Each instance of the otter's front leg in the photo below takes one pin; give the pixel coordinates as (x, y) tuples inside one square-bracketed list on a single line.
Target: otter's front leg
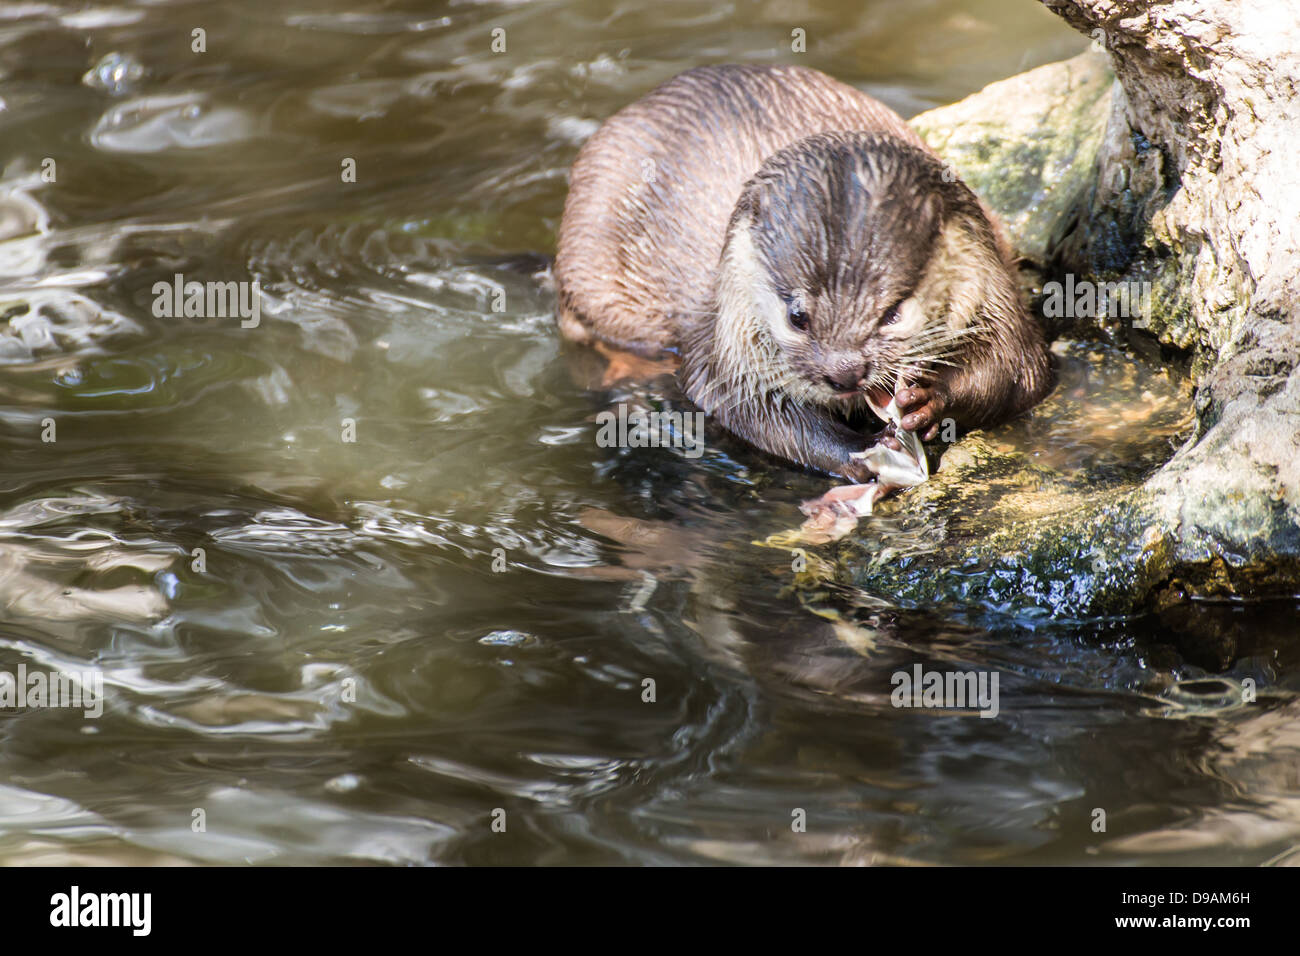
[(971, 396)]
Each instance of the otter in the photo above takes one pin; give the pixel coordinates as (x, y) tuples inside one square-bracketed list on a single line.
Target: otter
[(803, 253)]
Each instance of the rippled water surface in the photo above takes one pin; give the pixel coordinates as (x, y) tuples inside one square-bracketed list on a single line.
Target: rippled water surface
[(357, 651)]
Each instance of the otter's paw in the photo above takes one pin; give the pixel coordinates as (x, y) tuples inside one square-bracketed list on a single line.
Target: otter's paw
[(922, 410), (628, 365)]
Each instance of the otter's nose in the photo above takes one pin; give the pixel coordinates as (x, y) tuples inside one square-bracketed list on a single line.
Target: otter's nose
[(845, 379)]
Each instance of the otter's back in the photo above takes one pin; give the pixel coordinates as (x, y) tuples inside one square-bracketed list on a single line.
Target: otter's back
[(653, 189)]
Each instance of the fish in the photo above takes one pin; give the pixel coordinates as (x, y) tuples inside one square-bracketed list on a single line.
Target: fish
[(836, 513)]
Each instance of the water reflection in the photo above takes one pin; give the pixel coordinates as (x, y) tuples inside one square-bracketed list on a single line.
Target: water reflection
[(357, 651)]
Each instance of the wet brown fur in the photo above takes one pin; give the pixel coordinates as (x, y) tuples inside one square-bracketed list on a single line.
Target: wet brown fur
[(690, 209)]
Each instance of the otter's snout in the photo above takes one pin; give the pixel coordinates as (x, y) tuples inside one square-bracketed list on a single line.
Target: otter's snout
[(845, 378)]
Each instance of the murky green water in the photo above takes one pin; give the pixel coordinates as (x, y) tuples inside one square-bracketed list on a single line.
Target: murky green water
[(388, 639)]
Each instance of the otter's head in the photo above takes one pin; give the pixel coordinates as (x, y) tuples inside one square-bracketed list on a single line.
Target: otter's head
[(850, 260)]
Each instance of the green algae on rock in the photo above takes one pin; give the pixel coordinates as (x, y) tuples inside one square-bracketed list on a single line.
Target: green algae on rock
[(1044, 514), (1028, 145)]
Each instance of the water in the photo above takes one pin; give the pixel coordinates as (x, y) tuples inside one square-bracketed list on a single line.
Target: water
[(319, 651)]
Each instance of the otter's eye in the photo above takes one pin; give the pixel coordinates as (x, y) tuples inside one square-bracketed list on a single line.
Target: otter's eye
[(891, 316), (799, 318)]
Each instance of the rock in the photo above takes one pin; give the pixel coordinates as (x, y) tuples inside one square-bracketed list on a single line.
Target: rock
[(1197, 176), (1028, 145), (1045, 515), (1182, 174)]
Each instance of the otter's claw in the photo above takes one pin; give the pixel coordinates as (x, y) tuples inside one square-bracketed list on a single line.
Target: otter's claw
[(921, 408)]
